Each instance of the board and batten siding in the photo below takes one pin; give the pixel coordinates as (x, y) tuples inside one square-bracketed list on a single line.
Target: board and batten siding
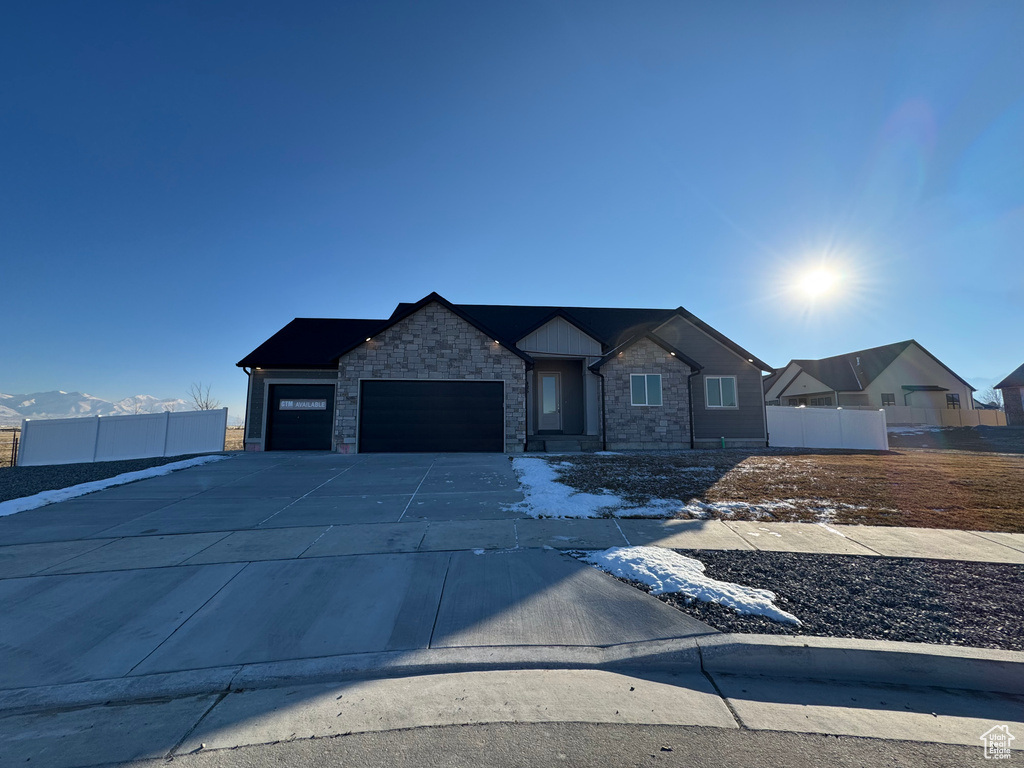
[(560, 337), (745, 423)]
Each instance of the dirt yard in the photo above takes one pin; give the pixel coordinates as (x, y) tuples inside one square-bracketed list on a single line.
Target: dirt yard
[(912, 487)]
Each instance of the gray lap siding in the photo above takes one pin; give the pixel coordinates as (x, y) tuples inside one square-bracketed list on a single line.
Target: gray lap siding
[(433, 343), (744, 424)]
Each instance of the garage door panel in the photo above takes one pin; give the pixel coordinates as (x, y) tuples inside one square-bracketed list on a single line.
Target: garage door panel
[(300, 430), (431, 416)]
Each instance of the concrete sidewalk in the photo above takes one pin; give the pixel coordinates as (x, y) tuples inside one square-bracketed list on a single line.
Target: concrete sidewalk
[(272, 570)]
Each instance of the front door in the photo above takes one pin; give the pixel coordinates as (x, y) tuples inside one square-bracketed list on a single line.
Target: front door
[(550, 417)]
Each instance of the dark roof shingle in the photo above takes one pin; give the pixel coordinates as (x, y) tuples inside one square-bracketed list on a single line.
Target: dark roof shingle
[(1015, 379), (309, 342)]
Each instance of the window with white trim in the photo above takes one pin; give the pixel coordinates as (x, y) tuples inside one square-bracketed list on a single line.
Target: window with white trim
[(888, 398), (720, 391), (645, 388)]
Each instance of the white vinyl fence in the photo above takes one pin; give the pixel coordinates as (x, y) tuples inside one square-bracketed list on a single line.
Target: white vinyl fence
[(826, 428), (110, 438)]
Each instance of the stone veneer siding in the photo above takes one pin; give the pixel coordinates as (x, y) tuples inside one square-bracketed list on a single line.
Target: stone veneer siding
[(1013, 404), (646, 427), (433, 343)]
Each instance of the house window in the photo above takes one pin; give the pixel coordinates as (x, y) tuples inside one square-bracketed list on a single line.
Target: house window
[(774, 402), (821, 401), (645, 388), (888, 398), (953, 402), (721, 391)]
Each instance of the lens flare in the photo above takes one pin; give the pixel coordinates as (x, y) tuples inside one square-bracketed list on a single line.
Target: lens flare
[(817, 283)]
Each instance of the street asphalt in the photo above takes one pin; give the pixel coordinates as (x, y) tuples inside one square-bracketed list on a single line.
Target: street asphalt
[(237, 603)]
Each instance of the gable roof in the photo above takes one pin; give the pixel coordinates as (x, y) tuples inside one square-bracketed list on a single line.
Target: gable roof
[(694, 365), (854, 371), (309, 342), (609, 325), (1015, 379), (722, 338), (405, 310)]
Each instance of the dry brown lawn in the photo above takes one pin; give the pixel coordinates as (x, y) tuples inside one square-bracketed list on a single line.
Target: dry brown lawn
[(6, 441), (931, 489), (233, 440)]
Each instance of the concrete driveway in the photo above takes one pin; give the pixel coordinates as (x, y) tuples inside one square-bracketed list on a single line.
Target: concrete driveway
[(271, 558)]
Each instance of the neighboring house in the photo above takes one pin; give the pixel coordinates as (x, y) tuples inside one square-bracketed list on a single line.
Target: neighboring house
[(1013, 397), (442, 377), (895, 376)]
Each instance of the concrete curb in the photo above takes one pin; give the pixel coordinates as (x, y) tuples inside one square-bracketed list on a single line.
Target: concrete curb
[(863, 661), (811, 658)]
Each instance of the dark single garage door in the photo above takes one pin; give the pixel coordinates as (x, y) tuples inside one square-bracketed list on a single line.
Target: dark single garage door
[(300, 417), (425, 416)]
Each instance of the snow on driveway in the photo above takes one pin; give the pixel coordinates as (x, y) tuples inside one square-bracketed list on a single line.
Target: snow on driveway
[(63, 494), (667, 571)]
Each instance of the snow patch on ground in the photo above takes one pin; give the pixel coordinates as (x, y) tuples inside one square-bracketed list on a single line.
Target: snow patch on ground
[(63, 494), (544, 496), (667, 571), (916, 430)]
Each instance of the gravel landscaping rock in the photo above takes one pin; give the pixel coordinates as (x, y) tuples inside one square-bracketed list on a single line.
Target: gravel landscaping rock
[(873, 598), (18, 482)]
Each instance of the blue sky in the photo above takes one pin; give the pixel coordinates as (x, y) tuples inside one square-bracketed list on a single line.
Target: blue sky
[(179, 180)]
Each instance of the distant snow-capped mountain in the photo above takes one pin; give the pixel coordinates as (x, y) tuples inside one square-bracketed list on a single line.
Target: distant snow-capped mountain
[(61, 405)]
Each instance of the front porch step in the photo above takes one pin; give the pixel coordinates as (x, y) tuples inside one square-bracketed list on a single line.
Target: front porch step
[(564, 443)]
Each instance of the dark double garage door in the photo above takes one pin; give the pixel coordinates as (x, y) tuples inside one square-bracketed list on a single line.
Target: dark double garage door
[(394, 416), (426, 416)]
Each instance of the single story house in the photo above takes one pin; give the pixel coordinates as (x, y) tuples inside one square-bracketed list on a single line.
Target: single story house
[(437, 376), (1012, 388), (892, 376)]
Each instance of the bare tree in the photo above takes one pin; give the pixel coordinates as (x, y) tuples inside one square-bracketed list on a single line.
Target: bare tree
[(136, 408), (200, 397), (992, 396)]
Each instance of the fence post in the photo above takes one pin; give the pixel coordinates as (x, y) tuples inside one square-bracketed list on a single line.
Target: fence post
[(96, 439), (167, 430)]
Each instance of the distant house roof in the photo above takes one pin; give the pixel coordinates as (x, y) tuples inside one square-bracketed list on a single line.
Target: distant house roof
[(1015, 379), (309, 342), (854, 371)]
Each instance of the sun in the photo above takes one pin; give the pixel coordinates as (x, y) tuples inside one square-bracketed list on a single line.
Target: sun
[(818, 282)]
